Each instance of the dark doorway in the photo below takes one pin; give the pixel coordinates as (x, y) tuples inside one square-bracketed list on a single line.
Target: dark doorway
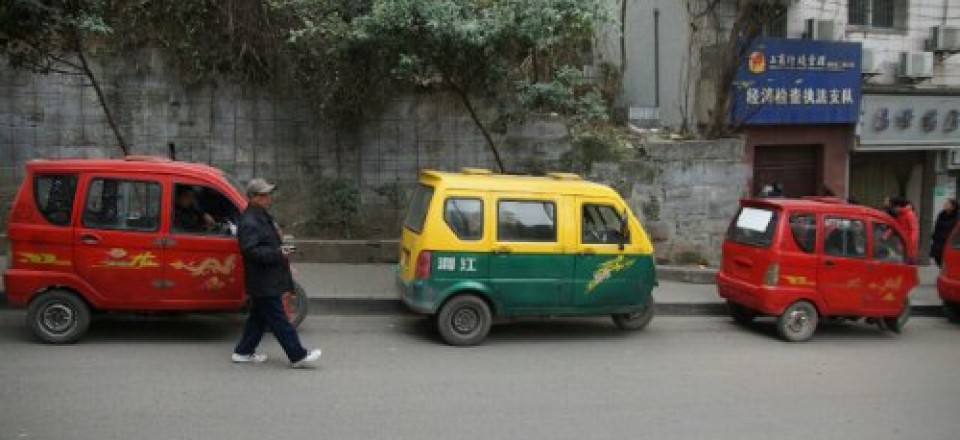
[(794, 167)]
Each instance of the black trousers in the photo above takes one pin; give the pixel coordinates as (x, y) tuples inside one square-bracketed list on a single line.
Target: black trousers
[(267, 312)]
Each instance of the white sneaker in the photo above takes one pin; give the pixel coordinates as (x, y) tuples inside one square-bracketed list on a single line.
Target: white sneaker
[(248, 358), (308, 360)]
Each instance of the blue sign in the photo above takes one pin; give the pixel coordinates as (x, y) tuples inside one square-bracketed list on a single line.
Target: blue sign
[(788, 81)]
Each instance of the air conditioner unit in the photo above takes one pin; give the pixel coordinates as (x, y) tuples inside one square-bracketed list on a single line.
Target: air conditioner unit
[(945, 38), (916, 65), (869, 62), (818, 29)]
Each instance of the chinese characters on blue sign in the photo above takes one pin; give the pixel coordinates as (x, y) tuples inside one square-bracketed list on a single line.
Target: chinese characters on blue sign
[(786, 81)]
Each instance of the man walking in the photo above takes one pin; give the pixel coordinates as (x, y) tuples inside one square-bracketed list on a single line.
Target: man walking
[(267, 275)]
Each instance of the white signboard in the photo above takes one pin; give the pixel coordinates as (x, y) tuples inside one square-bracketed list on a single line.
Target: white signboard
[(754, 219)]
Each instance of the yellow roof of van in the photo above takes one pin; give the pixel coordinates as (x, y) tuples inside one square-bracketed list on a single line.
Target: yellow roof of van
[(482, 180)]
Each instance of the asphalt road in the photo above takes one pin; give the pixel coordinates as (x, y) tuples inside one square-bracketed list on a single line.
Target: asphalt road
[(388, 377)]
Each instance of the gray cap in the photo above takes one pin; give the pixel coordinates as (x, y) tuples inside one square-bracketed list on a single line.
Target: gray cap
[(259, 186)]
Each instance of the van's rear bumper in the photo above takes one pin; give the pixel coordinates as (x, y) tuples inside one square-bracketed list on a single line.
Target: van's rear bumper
[(948, 289), (417, 296), (768, 300)]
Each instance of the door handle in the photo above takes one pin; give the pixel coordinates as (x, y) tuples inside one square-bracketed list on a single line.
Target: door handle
[(89, 239), (588, 252), (829, 263), (502, 250)]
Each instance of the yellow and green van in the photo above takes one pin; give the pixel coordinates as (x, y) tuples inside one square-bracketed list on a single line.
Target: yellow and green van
[(477, 246)]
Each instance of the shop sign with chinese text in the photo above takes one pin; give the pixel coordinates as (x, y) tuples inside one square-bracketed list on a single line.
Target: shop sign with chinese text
[(892, 122), (790, 81)]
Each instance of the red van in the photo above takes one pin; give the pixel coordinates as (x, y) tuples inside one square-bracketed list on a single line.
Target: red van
[(141, 234), (948, 283), (805, 259)]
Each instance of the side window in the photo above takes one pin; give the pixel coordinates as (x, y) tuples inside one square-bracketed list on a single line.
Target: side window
[(122, 204), (955, 239), (464, 216), (199, 209), (888, 245), (531, 221), (600, 224), (804, 230), (844, 237), (53, 195)]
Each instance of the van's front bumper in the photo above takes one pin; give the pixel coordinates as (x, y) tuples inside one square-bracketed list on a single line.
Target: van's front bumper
[(768, 300), (417, 295)]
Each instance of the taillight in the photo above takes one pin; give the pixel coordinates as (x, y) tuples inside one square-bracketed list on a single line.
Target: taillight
[(773, 274), (423, 266)]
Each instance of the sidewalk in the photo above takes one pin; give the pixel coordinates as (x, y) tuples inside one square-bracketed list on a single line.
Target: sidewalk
[(354, 283), (370, 288)]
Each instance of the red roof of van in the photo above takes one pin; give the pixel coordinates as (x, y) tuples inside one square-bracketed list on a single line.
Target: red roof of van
[(130, 164), (816, 204)]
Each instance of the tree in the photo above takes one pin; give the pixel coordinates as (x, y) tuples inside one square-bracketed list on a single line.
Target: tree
[(480, 48), (52, 36), (747, 20)]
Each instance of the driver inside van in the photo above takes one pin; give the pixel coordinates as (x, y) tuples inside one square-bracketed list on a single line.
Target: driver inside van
[(187, 215)]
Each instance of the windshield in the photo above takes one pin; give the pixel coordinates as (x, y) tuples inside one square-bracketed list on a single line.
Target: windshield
[(753, 226)]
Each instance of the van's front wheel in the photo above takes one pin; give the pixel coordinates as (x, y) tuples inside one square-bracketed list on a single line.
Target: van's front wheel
[(464, 320), (58, 317), (798, 322), (636, 320)]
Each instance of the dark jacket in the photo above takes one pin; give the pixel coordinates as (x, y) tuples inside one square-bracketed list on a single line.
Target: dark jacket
[(941, 232), (266, 269)]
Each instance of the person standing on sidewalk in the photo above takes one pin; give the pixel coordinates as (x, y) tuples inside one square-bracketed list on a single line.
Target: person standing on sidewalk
[(946, 220), (904, 214), (267, 277)]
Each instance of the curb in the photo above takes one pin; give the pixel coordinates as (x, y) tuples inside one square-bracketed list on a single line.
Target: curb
[(371, 306)]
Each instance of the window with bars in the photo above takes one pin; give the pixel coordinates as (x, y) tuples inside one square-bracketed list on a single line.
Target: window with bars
[(879, 14)]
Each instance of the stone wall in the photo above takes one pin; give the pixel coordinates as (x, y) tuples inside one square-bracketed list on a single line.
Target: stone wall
[(685, 194), (254, 132)]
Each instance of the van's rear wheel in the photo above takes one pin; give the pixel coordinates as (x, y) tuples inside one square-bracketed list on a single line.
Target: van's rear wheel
[(58, 317), (464, 320), (636, 320), (798, 322), (741, 314), (896, 323)]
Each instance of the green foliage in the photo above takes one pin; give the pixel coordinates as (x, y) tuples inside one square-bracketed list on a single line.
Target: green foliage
[(338, 203), (596, 142), (44, 35)]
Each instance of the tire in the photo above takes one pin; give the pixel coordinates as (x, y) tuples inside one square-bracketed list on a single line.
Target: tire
[(896, 323), (741, 314), (952, 311), (296, 305), (58, 317), (636, 320), (798, 322), (464, 320)]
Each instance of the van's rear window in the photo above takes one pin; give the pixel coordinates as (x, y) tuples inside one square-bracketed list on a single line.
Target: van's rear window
[(753, 226), (417, 211)]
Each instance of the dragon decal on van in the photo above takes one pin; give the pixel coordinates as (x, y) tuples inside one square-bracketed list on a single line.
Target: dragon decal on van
[(607, 269)]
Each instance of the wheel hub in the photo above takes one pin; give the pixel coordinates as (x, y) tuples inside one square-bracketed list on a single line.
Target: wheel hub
[(465, 320), (57, 318), (798, 320)]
